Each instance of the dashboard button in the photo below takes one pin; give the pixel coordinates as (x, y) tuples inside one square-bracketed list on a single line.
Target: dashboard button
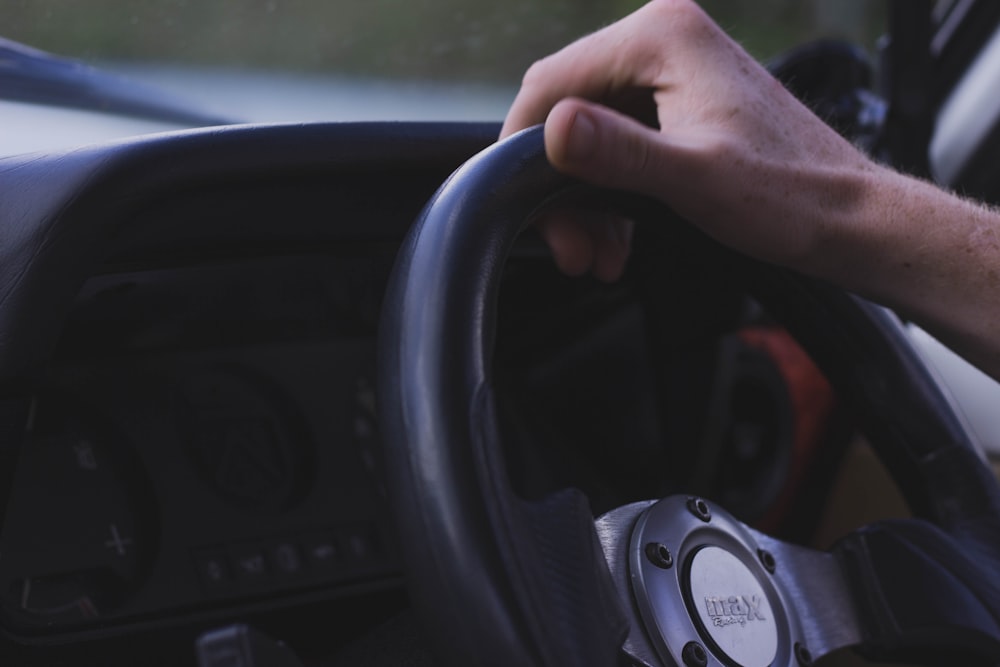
[(287, 559), (249, 563), (362, 544), (359, 546), (213, 570), (321, 549)]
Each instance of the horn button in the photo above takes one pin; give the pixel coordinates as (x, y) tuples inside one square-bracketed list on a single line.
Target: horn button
[(733, 608), (696, 577)]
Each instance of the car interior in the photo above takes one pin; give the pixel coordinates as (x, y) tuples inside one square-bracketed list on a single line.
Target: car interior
[(304, 394)]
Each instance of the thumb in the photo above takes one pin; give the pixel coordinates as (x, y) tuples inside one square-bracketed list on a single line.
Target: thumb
[(606, 148)]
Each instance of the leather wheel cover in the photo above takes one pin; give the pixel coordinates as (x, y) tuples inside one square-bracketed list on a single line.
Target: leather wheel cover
[(502, 581)]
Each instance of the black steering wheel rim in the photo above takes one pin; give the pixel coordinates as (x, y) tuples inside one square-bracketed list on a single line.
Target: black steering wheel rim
[(484, 565)]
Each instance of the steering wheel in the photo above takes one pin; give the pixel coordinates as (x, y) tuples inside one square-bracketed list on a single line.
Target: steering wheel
[(502, 580)]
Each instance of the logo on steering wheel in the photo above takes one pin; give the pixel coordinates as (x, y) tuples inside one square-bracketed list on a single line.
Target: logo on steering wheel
[(734, 610)]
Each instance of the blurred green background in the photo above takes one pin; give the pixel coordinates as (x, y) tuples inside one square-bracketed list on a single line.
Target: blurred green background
[(426, 39)]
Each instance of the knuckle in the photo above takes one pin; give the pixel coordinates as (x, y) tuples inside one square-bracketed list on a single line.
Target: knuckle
[(683, 17), (678, 10), (536, 74)]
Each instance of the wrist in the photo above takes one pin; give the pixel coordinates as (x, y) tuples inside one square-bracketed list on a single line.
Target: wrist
[(929, 254)]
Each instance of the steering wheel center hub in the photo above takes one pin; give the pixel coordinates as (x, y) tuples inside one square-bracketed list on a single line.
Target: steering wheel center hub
[(733, 608), (715, 587)]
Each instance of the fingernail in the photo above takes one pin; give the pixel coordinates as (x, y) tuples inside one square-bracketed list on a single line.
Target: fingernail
[(582, 137)]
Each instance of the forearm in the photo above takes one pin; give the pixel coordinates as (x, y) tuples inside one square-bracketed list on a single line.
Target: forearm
[(929, 254), (738, 156)]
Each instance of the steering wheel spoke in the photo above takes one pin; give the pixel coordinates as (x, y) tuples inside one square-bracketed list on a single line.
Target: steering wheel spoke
[(696, 580), (926, 594), (577, 609), (693, 578)]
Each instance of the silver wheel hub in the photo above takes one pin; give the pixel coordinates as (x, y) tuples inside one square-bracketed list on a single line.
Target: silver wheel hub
[(696, 576), (733, 608)]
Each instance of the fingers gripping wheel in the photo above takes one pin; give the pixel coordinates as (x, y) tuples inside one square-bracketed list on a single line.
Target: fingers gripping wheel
[(503, 581)]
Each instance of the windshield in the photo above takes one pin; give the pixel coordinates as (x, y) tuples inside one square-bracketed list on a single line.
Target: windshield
[(367, 59)]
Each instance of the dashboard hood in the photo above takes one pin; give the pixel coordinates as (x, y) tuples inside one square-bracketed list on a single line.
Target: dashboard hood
[(244, 96)]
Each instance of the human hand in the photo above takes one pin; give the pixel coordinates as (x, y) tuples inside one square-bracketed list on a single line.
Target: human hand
[(732, 150)]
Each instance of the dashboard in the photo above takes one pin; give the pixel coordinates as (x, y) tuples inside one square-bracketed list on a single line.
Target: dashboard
[(189, 409), (188, 341), (206, 434)]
